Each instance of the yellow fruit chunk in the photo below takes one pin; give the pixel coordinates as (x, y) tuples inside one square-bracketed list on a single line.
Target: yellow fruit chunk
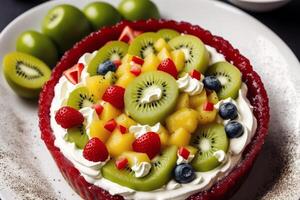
[(122, 69), (183, 101), (180, 137), (125, 79), (205, 117), (160, 44), (192, 149), (97, 130), (127, 58), (109, 112), (213, 97), (135, 157), (97, 85), (124, 120), (198, 100), (184, 118), (164, 136), (151, 63), (119, 143), (178, 59), (163, 54)]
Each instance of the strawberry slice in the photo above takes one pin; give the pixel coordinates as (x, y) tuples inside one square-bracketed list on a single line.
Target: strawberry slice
[(184, 152), (208, 106), (127, 35), (136, 70), (117, 63), (98, 108), (68, 117), (148, 143), (115, 96), (73, 74), (195, 74), (121, 163), (95, 150), (123, 129), (137, 60), (169, 67), (110, 125)]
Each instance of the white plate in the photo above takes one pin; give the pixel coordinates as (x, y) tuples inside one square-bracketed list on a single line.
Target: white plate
[(28, 171)]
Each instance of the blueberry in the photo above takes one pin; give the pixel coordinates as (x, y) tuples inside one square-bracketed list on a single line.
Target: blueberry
[(234, 129), (228, 111), (184, 173), (106, 67), (212, 83)]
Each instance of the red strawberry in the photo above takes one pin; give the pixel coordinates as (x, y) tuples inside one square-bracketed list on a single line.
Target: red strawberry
[(115, 96), (123, 129), (127, 35), (148, 143), (73, 74), (117, 63), (195, 74), (169, 67), (121, 163), (137, 60), (110, 125), (98, 108), (136, 70), (68, 117), (95, 150), (184, 152), (208, 106)]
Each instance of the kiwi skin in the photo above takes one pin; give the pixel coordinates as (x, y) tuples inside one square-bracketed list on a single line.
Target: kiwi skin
[(27, 89)]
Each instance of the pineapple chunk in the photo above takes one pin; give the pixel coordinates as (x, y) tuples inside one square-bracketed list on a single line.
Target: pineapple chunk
[(183, 101), (178, 58), (180, 137), (109, 112), (124, 120), (198, 100), (119, 143), (122, 69), (151, 63), (160, 44), (213, 97), (163, 54), (97, 85), (205, 117), (97, 130), (127, 59), (164, 136), (135, 157), (184, 118), (125, 79)]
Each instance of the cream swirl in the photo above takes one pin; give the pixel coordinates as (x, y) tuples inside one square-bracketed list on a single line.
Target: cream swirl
[(189, 85), (139, 130), (181, 160), (150, 94), (141, 169)]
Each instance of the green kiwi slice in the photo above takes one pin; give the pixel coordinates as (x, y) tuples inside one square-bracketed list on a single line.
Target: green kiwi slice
[(143, 45), (25, 74), (208, 139), (196, 55), (80, 98), (157, 110), (78, 136), (167, 34), (160, 174), (230, 78), (114, 50)]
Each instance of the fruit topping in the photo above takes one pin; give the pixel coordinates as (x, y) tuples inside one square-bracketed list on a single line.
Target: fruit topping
[(181, 137), (121, 163), (123, 129), (230, 78), (148, 143), (169, 67), (107, 66), (234, 129), (78, 136), (127, 35), (195, 74), (135, 158), (125, 121), (68, 117), (97, 130), (117, 63), (97, 85), (95, 150), (119, 143), (184, 118), (98, 108), (80, 98), (110, 125), (212, 83), (109, 112), (208, 139), (184, 173), (228, 111), (115, 96), (184, 152), (208, 106), (136, 70), (137, 60), (151, 63), (73, 74)]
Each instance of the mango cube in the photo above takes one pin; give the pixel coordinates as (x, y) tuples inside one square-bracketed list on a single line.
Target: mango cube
[(97, 130), (109, 112), (178, 58), (97, 85), (198, 100), (125, 79), (213, 97), (163, 54), (160, 44), (122, 69), (125, 121), (180, 137), (151, 63), (206, 117), (183, 101), (135, 157), (164, 136)]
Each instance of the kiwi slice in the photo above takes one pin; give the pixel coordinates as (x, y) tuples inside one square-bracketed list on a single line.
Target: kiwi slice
[(114, 50), (78, 136), (196, 55), (160, 174), (157, 110), (208, 139), (230, 78), (80, 98), (167, 34), (25, 74), (143, 45)]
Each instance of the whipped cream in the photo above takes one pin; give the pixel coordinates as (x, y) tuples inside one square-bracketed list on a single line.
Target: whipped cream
[(139, 130), (214, 55), (150, 94), (89, 115), (141, 169), (190, 85), (220, 155), (175, 191)]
